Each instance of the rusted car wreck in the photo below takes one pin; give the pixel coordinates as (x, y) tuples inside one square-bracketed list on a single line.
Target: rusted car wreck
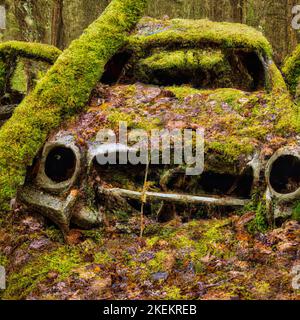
[(179, 74)]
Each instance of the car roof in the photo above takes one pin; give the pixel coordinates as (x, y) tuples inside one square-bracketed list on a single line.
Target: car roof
[(186, 33)]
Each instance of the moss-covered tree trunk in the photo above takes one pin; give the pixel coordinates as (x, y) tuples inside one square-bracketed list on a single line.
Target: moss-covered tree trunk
[(64, 91)]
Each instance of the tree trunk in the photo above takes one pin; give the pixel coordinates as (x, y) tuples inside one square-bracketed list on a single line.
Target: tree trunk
[(238, 10), (291, 39), (57, 24)]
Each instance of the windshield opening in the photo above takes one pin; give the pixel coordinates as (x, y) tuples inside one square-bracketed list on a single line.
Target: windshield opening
[(198, 68)]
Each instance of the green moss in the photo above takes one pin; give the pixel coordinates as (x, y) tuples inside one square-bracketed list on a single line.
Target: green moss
[(103, 258), (54, 234), (277, 81), (296, 212), (182, 241), (29, 50), (190, 33), (172, 63), (183, 91), (173, 293), (62, 92), (192, 241), (247, 119), (235, 289), (190, 59), (18, 81), (115, 117), (153, 229), (11, 50), (227, 95), (197, 239), (95, 234), (3, 72), (179, 50), (231, 148), (25, 281), (262, 288), (208, 243), (121, 215), (260, 223), (3, 260), (236, 123), (291, 69), (158, 264)]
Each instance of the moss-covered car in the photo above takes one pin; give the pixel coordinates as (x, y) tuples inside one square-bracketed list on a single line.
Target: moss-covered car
[(179, 74)]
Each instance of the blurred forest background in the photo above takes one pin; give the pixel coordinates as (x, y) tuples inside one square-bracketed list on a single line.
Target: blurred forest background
[(60, 21)]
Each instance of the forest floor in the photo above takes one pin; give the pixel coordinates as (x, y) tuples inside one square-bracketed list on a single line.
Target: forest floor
[(202, 259)]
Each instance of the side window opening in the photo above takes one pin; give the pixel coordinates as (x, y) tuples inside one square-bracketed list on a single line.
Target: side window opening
[(248, 67), (116, 68), (15, 86), (22, 78), (26, 74)]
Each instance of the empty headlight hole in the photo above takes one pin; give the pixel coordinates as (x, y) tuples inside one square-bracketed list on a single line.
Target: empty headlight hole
[(60, 164), (285, 174)]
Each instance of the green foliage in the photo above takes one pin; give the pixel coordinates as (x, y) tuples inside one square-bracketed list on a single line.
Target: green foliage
[(63, 92)]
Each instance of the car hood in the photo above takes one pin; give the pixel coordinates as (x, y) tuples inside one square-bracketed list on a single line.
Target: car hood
[(237, 124), (242, 131)]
